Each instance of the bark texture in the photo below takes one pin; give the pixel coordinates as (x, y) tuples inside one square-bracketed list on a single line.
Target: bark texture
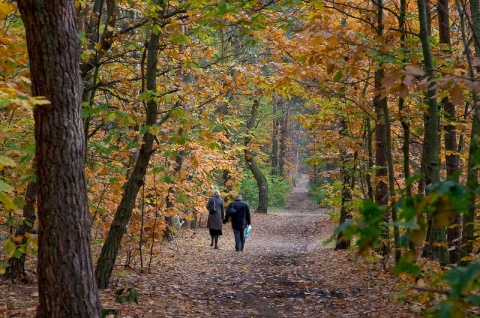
[(65, 271)]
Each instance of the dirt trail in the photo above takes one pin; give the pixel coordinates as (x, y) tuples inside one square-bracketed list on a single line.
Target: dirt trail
[(286, 270)]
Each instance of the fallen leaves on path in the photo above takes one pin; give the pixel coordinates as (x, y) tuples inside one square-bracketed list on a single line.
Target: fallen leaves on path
[(286, 270)]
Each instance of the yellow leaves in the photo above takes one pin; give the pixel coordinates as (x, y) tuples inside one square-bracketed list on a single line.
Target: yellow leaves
[(17, 245), (6, 8), (417, 236), (324, 38), (9, 247), (6, 162), (444, 214), (39, 100), (416, 58), (81, 4), (6, 199), (4, 40)]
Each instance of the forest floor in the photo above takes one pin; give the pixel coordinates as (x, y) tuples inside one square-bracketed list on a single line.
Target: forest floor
[(288, 269)]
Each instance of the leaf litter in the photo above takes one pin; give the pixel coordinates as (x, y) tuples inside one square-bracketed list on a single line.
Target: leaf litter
[(286, 270)]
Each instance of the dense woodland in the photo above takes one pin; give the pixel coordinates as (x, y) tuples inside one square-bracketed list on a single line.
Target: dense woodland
[(118, 116)]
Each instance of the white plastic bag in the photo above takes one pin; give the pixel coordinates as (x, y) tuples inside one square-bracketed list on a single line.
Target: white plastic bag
[(247, 230)]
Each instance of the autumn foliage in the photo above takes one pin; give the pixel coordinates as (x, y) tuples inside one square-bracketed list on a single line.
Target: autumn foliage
[(378, 98)]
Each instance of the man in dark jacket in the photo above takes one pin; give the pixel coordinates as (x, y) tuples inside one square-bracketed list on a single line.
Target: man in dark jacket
[(239, 211)]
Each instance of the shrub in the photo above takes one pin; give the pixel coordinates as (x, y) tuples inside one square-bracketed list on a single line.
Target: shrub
[(277, 190)]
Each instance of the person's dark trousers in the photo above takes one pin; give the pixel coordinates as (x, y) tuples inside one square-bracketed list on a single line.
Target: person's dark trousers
[(239, 239)]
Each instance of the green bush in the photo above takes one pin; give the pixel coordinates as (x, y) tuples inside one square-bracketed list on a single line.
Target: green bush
[(277, 190), (326, 193), (317, 193)]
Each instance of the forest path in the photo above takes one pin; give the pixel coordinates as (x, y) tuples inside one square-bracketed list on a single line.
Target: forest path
[(286, 270)]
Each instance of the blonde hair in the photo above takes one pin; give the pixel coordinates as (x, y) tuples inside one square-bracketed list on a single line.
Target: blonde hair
[(216, 192)]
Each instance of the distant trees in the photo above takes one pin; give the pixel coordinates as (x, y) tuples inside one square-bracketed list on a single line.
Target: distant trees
[(425, 119)]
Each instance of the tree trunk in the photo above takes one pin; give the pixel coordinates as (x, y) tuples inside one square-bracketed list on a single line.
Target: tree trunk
[(391, 184), (380, 104), (110, 248), (369, 134), (283, 136), (451, 157), (65, 270), (89, 69), (345, 213), (405, 122), (469, 219), (275, 129), (253, 166), (16, 265), (435, 234), (169, 202)]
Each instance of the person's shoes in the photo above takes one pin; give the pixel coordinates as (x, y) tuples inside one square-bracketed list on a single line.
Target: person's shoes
[(211, 244), (216, 247)]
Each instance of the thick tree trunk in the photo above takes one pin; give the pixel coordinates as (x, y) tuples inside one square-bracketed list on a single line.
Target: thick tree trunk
[(16, 265), (252, 165), (65, 270), (123, 214)]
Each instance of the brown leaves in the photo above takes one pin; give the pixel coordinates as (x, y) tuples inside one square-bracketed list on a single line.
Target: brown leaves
[(285, 271)]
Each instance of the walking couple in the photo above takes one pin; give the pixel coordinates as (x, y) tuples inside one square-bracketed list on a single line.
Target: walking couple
[(238, 210)]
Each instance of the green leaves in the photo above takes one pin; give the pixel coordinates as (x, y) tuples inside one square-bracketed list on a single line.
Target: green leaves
[(463, 279), (3, 267), (5, 187), (368, 228), (464, 283)]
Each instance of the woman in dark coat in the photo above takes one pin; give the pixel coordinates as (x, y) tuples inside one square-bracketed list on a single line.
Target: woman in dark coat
[(216, 212)]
